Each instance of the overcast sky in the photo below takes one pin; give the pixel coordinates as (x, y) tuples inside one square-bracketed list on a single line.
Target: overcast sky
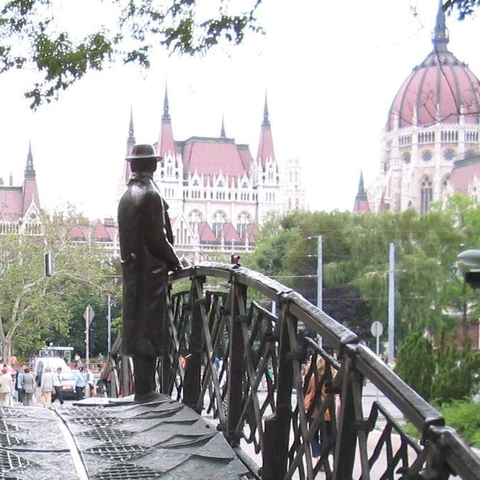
[(330, 69)]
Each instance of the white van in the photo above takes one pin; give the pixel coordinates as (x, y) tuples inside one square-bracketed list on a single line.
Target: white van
[(52, 362)]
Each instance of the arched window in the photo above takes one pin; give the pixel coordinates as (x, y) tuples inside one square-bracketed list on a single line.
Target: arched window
[(194, 218), (219, 219), (407, 157), (242, 222), (426, 195)]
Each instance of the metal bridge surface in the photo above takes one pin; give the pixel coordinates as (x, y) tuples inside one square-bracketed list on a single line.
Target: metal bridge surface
[(239, 330), (158, 440)]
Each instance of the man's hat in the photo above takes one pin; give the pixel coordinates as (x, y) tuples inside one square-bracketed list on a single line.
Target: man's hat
[(143, 152)]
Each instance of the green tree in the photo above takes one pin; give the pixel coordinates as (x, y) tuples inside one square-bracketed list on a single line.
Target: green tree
[(34, 307), (36, 33), (454, 370), (428, 292), (416, 363)]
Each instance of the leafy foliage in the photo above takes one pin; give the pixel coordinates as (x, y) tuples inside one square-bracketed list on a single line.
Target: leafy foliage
[(455, 369), (442, 375), (464, 416), (33, 307), (463, 8), (416, 363), (32, 34), (428, 292)]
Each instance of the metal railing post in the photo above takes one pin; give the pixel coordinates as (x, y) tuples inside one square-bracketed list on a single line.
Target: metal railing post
[(192, 380), (237, 366), (277, 426), (347, 425)]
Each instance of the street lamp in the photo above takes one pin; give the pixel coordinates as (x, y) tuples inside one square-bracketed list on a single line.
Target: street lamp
[(469, 266)]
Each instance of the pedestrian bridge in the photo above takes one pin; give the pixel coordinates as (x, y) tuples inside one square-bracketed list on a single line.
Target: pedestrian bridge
[(241, 335)]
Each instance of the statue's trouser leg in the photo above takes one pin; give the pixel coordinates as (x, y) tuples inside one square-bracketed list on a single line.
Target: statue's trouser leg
[(144, 374)]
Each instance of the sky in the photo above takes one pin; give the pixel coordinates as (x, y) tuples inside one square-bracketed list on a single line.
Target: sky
[(330, 71)]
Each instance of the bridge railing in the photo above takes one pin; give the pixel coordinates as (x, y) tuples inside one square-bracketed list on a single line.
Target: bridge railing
[(236, 350)]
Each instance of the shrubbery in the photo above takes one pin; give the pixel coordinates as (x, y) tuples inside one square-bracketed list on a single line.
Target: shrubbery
[(440, 375)]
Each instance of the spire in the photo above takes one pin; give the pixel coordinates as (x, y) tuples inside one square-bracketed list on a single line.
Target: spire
[(440, 32), (222, 130), (29, 189), (166, 113), (29, 169), (127, 172), (266, 121), (361, 186), (265, 146), (131, 130), (361, 200), (166, 143)]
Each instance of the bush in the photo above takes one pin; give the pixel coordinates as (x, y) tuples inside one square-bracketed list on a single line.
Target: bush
[(440, 376), (416, 363), (455, 371), (464, 417)]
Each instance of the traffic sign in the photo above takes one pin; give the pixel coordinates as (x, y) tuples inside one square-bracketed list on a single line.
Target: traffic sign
[(88, 314), (376, 329)]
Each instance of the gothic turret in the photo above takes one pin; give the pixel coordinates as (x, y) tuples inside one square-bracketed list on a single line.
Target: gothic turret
[(166, 144), (130, 144), (361, 202), (265, 153), (30, 190)]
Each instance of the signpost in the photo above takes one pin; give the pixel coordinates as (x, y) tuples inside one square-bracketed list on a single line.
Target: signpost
[(377, 330), (88, 316)]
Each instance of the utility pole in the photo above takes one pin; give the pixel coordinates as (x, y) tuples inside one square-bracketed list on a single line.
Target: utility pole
[(391, 305), (319, 273), (109, 324), (319, 280), (88, 316)]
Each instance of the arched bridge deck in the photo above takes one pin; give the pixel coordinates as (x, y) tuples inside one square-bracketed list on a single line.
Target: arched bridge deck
[(159, 440)]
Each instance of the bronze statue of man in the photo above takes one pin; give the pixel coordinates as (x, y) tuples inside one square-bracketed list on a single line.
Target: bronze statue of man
[(147, 256)]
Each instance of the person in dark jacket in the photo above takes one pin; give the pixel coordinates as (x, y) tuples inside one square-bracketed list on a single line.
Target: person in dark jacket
[(147, 254)]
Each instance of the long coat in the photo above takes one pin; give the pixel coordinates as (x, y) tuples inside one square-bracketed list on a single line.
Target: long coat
[(147, 257), (7, 383), (29, 383)]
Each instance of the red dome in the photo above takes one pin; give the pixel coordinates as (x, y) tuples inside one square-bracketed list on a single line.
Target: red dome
[(437, 90)]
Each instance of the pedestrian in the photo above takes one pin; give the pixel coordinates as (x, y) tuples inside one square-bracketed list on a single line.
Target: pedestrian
[(57, 385), (78, 361), (91, 383), (80, 384), (46, 386), (29, 386), (6, 387), (146, 245), (314, 397), (19, 387)]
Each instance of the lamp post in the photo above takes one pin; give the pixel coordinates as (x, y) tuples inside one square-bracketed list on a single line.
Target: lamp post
[(468, 264), (109, 324)]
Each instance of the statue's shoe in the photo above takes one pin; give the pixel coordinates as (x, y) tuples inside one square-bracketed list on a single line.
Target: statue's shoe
[(149, 397)]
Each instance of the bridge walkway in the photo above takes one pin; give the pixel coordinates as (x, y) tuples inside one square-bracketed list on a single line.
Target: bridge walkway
[(103, 439)]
